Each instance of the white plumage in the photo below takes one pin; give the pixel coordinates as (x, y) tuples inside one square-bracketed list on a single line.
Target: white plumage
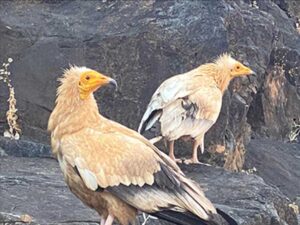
[(187, 105)]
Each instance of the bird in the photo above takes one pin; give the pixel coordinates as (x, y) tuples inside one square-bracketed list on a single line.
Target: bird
[(115, 170), (186, 106)]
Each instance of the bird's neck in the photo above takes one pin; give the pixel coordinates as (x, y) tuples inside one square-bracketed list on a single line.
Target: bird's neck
[(218, 73), (222, 80), (72, 114)]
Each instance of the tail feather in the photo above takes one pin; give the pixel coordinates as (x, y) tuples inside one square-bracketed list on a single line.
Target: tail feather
[(187, 218), (148, 121), (152, 120), (180, 218), (226, 217)]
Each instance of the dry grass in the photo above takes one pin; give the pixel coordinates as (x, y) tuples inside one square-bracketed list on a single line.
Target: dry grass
[(11, 114), (294, 207), (295, 132), (146, 218), (250, 171), (253, 4), (298, 25)]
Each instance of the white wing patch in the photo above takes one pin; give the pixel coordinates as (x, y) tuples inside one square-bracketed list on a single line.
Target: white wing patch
[(169, 90), (88, 177)]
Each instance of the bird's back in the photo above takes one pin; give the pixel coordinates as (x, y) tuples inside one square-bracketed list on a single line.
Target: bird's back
[(186, 104)]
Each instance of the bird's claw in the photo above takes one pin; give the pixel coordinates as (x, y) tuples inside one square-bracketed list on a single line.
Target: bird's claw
[(191, 161), (177, 160)]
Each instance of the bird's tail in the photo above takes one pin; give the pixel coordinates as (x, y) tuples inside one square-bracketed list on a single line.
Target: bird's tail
[(180, 218), (149, 120), (187, 218), (226, 217)]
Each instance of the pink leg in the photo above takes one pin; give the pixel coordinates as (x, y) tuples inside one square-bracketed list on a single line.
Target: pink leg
[(194, 159), (109, 220), (102, 221), (171, 152)]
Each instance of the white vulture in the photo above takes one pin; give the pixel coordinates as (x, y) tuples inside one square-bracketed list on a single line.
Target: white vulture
[(187, 105)]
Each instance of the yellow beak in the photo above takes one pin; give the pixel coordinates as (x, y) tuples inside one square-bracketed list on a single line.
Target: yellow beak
[(246, 71)]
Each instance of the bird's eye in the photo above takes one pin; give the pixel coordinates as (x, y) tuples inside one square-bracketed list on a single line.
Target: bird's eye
[(237, 67), (87, 77)]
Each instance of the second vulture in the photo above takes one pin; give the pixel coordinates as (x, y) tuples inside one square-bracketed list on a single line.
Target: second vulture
[(187, 105)]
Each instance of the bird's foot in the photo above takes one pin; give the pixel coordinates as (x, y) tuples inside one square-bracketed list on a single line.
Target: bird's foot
[(191, 161), (176, 160)]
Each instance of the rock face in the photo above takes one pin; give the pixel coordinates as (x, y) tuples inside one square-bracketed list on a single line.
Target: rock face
[(141, 44), (277, 163), (23, 148), (35, 186)]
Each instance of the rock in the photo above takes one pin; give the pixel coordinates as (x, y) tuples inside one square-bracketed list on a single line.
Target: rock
[(141, 44), (291, 7), (277, 163), (23, 148), (35, 186), (2, 152)]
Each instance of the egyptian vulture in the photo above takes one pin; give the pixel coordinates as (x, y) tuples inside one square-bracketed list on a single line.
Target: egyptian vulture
[(187, 105), (113, 169)]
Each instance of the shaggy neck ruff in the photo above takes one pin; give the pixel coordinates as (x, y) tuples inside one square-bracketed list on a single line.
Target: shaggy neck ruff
[(71, 113), (219, 71)]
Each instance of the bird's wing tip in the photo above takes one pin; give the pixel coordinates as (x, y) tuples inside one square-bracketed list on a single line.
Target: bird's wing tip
[(156, 139), (140, 126)]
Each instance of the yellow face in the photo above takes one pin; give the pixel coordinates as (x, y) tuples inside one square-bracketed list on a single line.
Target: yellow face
[(239, 69), (90, 81)]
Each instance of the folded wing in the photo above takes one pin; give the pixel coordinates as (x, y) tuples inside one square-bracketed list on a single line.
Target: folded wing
[(182, 96), (190, 115), (134, 171)]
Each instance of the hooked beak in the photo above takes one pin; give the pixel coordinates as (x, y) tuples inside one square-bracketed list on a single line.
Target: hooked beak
[(251, 76), (252, 73), (103, 80), (112, 82)]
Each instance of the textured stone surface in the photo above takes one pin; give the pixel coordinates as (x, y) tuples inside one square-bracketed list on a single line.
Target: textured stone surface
[(23, 148), (141, 44), (291, 7), (35, 186), (277, 163)]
